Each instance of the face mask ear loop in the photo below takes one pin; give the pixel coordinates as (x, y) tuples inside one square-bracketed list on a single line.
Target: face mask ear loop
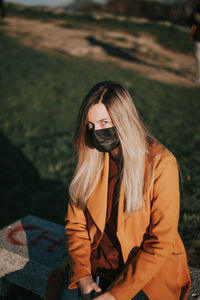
[(90, 129), (93, 127)]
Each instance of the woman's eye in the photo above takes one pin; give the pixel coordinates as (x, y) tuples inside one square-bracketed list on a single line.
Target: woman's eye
[(104, 122)]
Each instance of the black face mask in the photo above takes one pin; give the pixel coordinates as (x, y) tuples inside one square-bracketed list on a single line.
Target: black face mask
[(104, 140)]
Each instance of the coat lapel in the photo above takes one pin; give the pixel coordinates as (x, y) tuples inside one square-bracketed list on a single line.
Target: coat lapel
[(97, 202), (120, 216)]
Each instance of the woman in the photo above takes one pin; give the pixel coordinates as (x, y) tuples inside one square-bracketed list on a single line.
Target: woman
[(122, 219)]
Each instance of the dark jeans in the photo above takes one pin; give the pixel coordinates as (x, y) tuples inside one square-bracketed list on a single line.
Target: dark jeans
[(67, 294)]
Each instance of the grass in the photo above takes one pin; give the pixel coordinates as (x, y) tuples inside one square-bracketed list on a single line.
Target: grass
[(40, 94), (167, 36)]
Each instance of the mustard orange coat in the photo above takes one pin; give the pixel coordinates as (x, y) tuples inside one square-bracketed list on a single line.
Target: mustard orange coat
[(153, 252)]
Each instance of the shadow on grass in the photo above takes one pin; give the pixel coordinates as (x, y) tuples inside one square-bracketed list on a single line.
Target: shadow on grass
[(23, 191), (122, 53)]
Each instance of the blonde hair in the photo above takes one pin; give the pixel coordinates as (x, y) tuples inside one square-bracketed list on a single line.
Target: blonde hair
[(134, 138)]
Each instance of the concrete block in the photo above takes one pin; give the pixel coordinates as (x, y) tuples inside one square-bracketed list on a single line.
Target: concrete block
[(195, 287), (29, 249)]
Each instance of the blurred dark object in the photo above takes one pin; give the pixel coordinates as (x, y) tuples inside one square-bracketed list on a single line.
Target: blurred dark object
[(86, 6), (2, 9), (194, 22), (175, 11)]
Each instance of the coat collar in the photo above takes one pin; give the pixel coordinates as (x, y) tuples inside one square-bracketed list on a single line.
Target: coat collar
[(97, 202)]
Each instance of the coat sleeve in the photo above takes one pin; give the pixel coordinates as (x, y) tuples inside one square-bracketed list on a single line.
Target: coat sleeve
[(162, 232), (78, 245)]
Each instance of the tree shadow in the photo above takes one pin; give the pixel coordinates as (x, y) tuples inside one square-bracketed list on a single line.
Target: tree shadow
[(113, 50), (124, 54)]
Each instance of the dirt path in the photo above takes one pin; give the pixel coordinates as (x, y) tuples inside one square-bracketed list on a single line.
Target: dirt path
[(142, 53)]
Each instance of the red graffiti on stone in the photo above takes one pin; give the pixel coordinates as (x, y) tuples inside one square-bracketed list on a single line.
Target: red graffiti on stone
[(44, 235)]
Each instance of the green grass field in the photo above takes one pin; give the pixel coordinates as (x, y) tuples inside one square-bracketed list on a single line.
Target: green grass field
[(40, 94)]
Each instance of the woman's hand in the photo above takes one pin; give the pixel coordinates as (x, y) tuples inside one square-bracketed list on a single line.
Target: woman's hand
[(105, 296), (87, 285)]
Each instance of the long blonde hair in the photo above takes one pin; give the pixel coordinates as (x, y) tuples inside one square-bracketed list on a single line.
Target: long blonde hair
[(134, 139)]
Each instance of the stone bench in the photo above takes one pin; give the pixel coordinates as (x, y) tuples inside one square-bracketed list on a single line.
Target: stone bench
[(32, 247), (29, 250)]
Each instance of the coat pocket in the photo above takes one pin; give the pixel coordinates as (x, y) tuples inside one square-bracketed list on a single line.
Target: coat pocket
[(177, 249)]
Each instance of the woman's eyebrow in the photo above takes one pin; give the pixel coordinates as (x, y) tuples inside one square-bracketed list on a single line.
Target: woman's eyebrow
[(103, 119)]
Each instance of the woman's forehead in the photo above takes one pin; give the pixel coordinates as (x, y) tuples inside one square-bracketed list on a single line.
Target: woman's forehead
[(97, 112)]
